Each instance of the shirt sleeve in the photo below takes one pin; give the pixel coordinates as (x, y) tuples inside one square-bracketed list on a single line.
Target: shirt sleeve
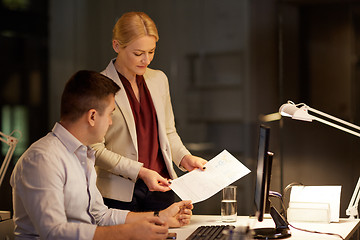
[(105, 216)]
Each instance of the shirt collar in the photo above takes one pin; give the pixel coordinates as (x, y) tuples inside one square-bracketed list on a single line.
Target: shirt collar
[(69, 141)]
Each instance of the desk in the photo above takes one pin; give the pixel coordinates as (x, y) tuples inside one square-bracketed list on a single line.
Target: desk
[(346, 228)]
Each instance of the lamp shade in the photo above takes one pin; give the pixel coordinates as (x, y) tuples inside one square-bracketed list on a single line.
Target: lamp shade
[(291, 110)]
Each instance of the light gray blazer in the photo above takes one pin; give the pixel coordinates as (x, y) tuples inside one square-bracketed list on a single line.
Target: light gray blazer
[(117, 163)]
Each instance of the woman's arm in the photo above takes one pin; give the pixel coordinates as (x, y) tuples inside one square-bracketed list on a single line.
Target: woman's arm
[(116, 163)]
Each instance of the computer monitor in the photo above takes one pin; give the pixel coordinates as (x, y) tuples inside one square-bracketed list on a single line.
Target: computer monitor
[(262, 188), (262, 173)]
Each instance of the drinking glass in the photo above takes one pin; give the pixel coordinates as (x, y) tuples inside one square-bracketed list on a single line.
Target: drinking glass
[(229, 204)]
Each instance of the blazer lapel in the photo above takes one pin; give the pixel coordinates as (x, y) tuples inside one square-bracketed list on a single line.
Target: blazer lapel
[(122, 102), (156, 98)]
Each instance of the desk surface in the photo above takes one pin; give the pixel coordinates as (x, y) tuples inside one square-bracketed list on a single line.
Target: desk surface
[(346, 228)]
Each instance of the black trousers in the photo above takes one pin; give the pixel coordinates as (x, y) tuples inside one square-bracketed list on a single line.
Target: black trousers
[(144, 200)]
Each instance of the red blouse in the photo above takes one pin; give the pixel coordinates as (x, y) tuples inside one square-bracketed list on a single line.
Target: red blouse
[(146, 126)]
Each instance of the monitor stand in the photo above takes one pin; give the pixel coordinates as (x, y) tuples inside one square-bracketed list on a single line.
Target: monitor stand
[(281, 229)]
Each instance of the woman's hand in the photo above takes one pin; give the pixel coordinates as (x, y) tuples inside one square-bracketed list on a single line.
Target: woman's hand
[(190, 162), (153, 180)]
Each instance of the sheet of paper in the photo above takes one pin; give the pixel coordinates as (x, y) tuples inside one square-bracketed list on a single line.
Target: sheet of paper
[(319, 194), (220, 172)]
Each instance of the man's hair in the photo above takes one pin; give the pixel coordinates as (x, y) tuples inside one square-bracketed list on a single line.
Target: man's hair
[(86, 90)]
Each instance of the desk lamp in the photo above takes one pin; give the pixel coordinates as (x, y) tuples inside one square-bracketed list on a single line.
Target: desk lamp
[(300, 112)]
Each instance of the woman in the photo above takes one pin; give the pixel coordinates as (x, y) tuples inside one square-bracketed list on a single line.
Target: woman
[(134, 163)]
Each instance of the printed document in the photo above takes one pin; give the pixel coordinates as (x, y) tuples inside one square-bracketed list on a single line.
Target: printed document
[(198, 185)]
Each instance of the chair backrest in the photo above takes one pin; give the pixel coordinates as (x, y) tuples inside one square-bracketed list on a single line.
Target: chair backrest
[(7, 229)]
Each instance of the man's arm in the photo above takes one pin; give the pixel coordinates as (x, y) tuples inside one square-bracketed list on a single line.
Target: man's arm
[(152, 227), (176, 215)]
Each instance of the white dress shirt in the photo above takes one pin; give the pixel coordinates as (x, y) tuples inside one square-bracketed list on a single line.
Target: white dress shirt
[(54, 190)]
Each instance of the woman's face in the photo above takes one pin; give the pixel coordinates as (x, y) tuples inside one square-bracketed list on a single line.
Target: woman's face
[(134, 58)]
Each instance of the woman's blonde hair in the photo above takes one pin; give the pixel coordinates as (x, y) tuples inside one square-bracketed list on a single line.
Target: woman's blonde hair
[(133, 25)]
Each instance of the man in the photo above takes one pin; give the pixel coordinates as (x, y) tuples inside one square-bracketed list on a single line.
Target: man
[(54, 182)]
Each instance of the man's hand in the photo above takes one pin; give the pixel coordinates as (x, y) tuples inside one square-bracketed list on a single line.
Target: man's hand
[(144, 228), (190, 162), (153, 180), (150, 228), (178, 214)]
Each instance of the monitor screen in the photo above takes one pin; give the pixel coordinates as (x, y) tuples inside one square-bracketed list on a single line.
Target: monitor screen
[(262, 173)]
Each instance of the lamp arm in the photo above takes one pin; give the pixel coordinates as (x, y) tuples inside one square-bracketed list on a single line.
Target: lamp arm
[(336, 126), (352, 209), (333, 118), (11, 141), (5, 163), (4, 138)]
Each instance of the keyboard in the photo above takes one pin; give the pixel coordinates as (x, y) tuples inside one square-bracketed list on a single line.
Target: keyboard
[(209, 232)]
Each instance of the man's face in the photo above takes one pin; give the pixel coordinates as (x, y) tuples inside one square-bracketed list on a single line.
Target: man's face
[(104, 120)]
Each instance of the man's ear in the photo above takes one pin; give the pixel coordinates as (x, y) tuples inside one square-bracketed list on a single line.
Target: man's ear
[(91, 116), (116, 45)]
